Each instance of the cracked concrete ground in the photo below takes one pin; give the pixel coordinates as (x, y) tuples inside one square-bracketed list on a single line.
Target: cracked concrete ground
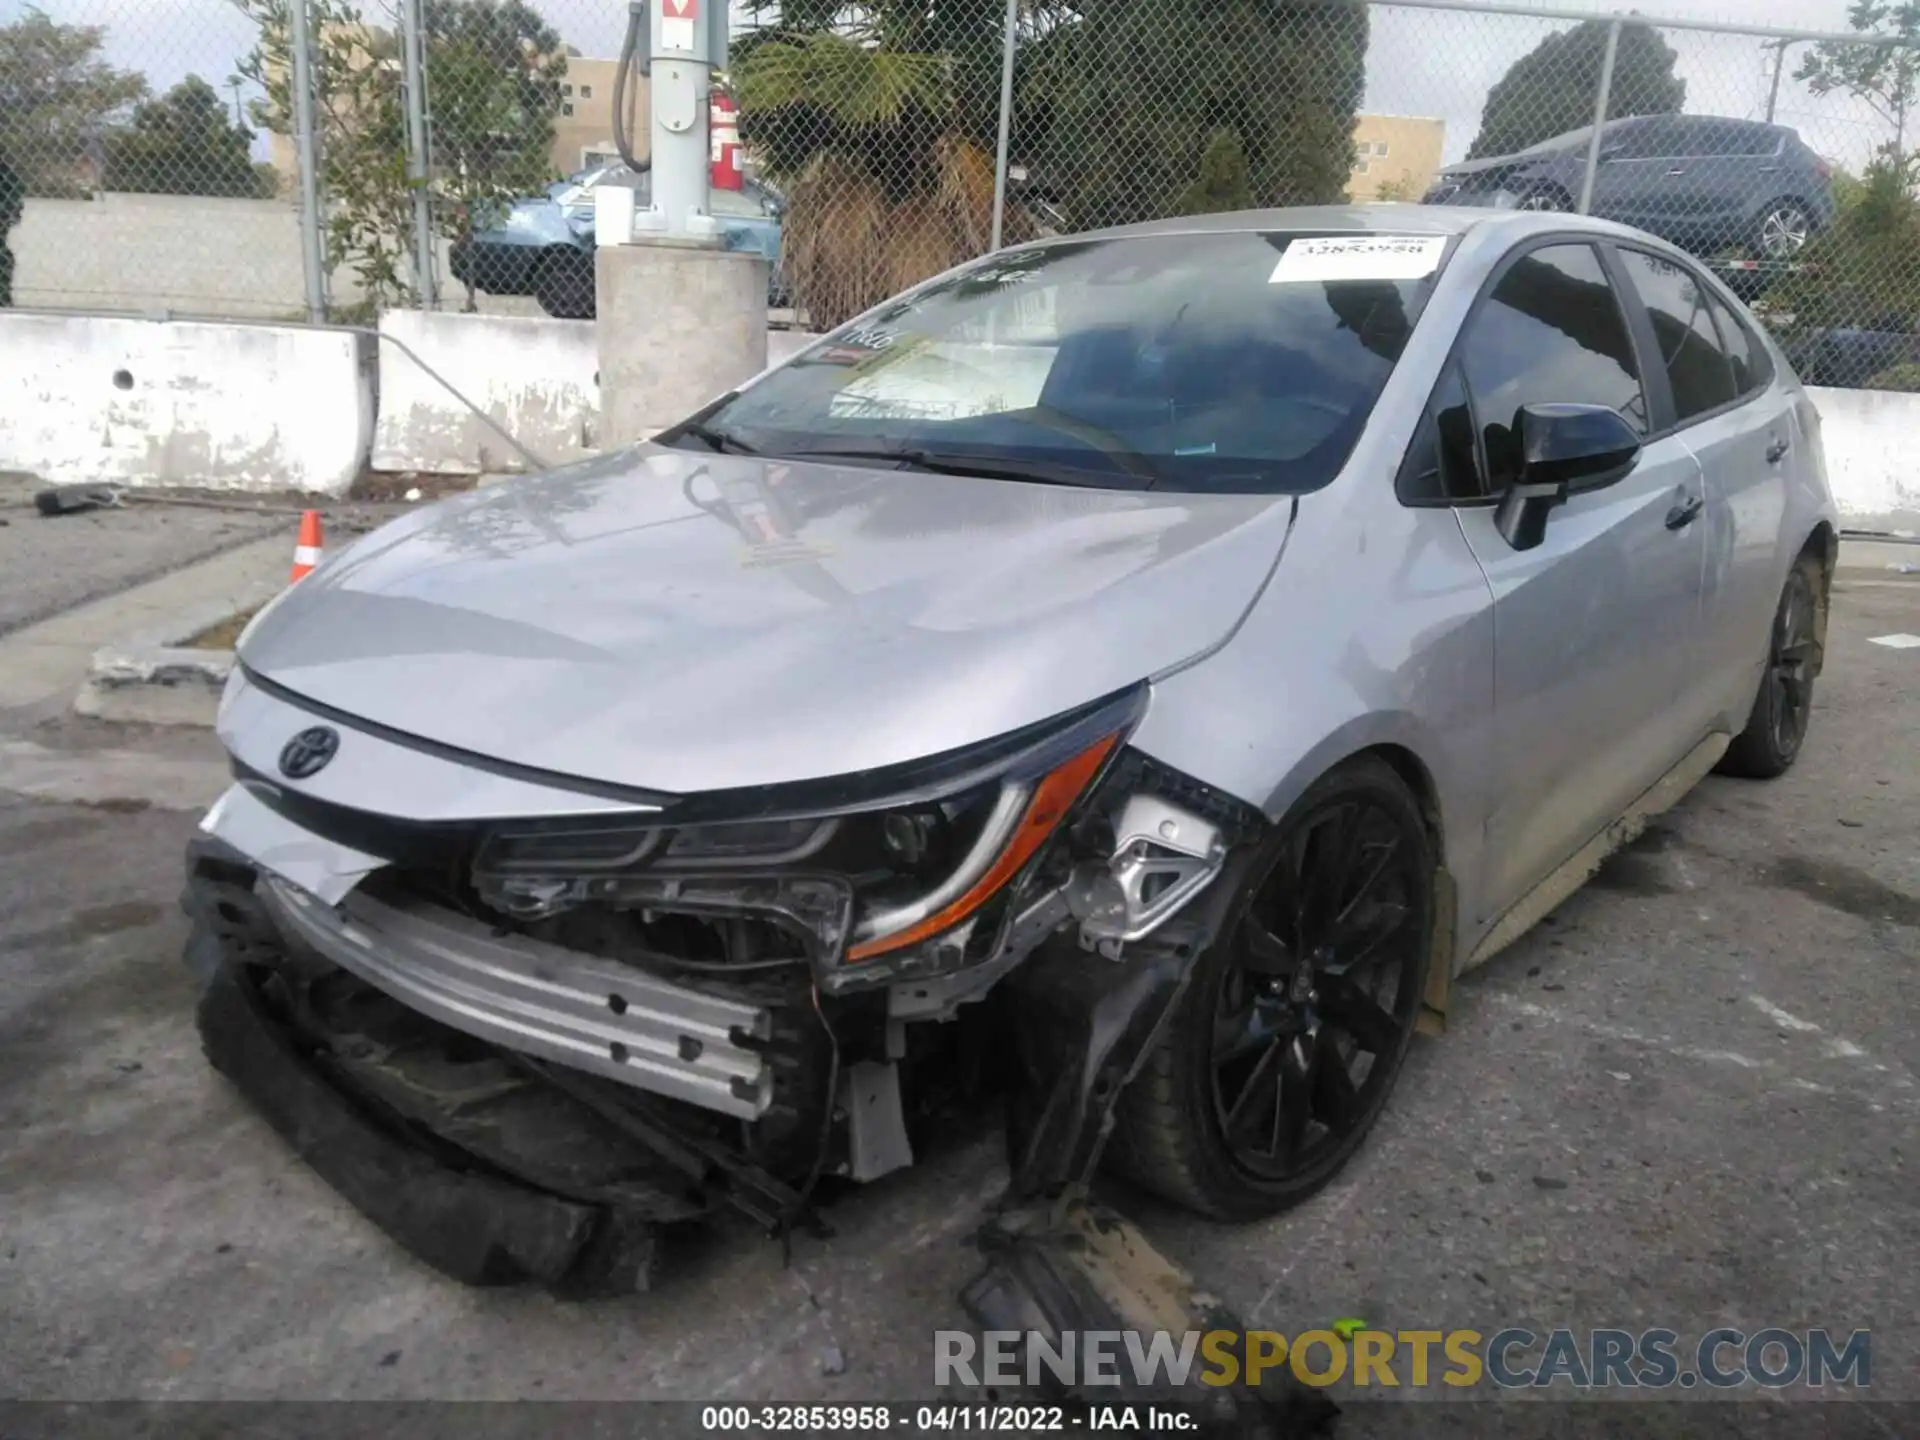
[(1689, 1099)]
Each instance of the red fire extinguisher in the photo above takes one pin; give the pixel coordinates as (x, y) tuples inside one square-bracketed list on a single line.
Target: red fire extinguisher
[(724, 117)]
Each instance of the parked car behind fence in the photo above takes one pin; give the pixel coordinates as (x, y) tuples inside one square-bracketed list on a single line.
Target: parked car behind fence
[(1703, 183), (543, 246)]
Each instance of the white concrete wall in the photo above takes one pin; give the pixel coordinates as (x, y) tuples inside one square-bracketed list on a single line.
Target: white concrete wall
[(1872, 442), (189, 253), (537, 379), (144, 402)]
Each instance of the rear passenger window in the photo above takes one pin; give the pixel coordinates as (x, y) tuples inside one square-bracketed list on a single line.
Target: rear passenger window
[(1550, 331), (1677, 303), (1744, 352)]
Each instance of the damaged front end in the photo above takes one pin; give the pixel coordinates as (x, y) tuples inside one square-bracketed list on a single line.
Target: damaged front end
[(524, 1046)]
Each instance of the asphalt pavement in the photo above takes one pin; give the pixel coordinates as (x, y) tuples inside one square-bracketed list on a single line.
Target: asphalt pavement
[(1688, 1100)]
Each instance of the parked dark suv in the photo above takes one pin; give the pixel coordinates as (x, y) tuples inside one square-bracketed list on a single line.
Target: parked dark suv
[(1704, 183)]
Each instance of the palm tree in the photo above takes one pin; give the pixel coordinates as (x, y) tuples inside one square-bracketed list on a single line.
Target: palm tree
[(880, 127)]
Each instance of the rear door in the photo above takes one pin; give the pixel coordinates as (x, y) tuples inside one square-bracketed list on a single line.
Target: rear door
[(1739, 425), (1597, 630), (1719, 167)]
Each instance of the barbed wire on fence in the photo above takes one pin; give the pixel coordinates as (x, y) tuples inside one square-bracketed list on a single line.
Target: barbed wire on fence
[(149, 159)]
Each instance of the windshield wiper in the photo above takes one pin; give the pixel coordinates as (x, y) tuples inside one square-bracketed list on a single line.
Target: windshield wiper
[(989, 467), (721, 442)]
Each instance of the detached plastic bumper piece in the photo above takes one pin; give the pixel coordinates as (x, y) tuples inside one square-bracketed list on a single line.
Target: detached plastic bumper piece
[(1078, 1268), (473, 1227)]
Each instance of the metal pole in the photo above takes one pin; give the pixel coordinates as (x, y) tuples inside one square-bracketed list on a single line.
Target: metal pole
[(1006, 123), (419, 173), (307, 145), (682, 94), (1779, 48), (1600, 98)]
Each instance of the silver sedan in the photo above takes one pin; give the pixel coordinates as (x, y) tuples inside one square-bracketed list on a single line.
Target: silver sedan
[(1134, 673)]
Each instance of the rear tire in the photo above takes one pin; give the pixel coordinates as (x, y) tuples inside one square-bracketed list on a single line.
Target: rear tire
[(1783, 708), (1250, 1102), (564, 285), (1783, 230)]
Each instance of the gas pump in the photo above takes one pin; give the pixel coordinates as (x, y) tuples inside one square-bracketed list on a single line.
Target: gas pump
[(681, 318), (677, 45)]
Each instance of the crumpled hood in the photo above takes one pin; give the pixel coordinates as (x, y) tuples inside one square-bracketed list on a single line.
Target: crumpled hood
[(1466, 168), (686, 622)]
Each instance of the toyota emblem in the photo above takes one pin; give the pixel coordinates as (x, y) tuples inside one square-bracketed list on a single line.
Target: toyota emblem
[(308, 752)]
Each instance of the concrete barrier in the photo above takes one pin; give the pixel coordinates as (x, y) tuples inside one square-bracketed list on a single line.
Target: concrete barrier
[(1872, 441), (536, 379), (87, 399)]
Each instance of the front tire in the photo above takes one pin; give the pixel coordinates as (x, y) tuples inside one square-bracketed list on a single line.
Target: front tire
[(1777, 724), (1293, 1028), (1545, 197)]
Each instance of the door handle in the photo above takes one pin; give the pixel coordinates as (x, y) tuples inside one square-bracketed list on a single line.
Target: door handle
[(1684, 512), (1681, 171), (1777, 451)]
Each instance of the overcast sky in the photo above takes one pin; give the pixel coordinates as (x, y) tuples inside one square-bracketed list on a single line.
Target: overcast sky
[(1419, 62)]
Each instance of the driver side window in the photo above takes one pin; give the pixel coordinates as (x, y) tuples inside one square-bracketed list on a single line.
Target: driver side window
[(1550, 331)]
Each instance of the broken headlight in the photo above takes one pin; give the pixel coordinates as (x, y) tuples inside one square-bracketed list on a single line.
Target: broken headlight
[(912, 885)]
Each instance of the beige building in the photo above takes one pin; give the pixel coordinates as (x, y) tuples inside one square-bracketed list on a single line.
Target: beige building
[(583, 130), (1395, 154)]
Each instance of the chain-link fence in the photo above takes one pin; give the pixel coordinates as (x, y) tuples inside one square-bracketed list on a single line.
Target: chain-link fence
[(152, 148)]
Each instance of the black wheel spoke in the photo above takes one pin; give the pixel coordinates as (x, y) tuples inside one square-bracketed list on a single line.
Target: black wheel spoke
[(1347, 1007), (1335, 1100), (1235, 1036), (1372, 878), (1266, 953), (1335, 860), (1246, 1114), (1363, 937), (1300, 1060)]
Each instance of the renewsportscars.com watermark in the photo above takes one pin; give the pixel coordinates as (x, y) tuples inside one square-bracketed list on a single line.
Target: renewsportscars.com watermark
[(1656, 1359)]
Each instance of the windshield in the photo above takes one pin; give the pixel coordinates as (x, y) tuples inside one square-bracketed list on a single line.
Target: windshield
[(1230, 363)]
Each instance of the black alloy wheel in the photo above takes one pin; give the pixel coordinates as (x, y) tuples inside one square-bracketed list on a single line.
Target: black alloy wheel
[(1296, 1023), (1783, 709)]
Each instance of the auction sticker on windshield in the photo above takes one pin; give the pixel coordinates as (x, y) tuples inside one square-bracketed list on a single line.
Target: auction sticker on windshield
[(1359, 257)]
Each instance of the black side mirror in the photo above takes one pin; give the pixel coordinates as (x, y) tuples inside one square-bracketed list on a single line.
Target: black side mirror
[(1564, 450)]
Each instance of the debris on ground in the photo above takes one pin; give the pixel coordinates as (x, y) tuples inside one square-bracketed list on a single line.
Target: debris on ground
[(74, 499), (224, 635)]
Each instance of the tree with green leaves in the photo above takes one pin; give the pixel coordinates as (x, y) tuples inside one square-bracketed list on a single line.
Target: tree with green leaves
[(58, 102), (1887, 77), (878, 120), (1552, 88), (1864, 269), (1139, 90), (185, 143), (493, 74), (1222, 185)]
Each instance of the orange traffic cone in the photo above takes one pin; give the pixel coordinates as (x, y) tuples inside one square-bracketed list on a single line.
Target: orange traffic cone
[(307, 548)]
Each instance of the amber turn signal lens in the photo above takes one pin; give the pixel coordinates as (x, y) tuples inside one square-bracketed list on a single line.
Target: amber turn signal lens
[(1052, 798)]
